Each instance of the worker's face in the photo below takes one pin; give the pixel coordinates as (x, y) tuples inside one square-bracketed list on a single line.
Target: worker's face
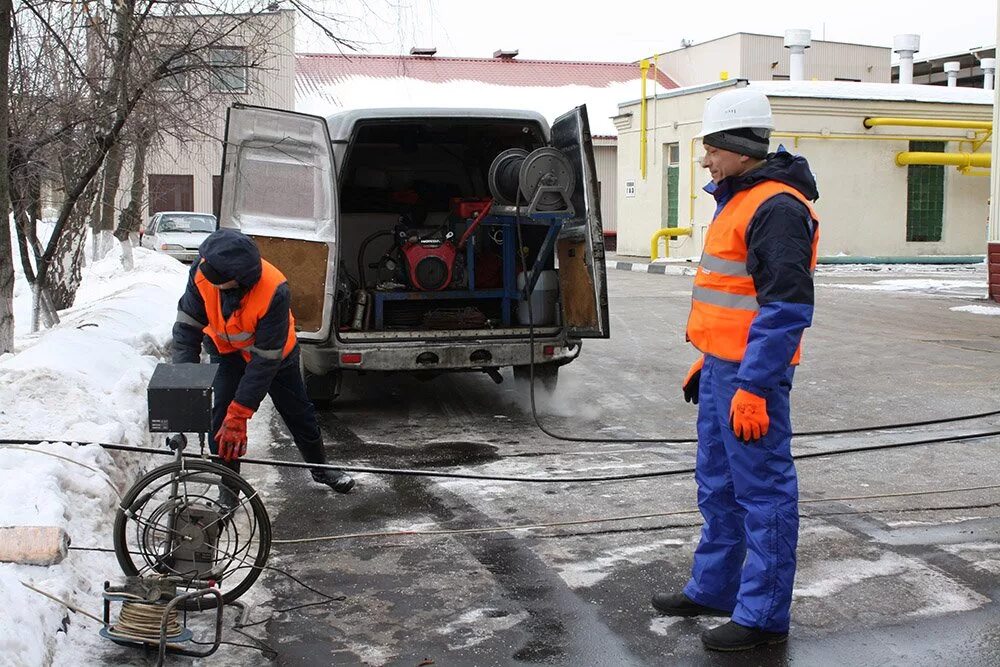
[(722, 163)]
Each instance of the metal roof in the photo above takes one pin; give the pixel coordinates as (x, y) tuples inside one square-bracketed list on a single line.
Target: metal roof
[(319, 71)]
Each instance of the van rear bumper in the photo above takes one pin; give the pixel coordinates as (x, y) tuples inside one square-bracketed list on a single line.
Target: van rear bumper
[(451, 356)]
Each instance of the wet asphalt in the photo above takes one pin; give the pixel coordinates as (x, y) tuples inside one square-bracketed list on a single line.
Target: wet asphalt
[(907, 580)]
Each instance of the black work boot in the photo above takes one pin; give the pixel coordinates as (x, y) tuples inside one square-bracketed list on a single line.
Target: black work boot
[(678, 604), (735, 637), (337, 480)]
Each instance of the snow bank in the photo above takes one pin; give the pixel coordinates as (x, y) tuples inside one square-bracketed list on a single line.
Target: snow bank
[(978, 310), (82, 380), (361, 92)]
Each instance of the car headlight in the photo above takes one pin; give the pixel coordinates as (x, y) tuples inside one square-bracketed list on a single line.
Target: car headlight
[(171, 246)]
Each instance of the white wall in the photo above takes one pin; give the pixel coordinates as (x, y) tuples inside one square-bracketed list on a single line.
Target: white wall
[(862, 202), (270, 85)]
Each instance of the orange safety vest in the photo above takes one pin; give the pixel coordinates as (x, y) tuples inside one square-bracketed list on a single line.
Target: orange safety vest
[(238, 333), (724, 299)]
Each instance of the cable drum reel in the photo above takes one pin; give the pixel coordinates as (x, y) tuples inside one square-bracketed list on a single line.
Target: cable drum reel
[(543, 179)]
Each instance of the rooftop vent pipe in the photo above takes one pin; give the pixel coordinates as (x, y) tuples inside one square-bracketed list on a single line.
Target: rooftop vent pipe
[(951, 71), (505, 55), (906, 46), (423, 51), (989, 66), (797, 41)]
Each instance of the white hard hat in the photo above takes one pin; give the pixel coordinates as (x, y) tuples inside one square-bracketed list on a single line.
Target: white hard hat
[(736, 108)]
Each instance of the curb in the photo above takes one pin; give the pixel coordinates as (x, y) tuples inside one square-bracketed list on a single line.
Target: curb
[(658, 269)]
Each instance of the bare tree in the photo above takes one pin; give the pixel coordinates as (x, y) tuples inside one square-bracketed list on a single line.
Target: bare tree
[(6, 250), (84, 76)]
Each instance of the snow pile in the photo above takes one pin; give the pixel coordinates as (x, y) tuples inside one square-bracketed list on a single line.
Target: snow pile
[(362, 92), (978, 310), (82, 380)]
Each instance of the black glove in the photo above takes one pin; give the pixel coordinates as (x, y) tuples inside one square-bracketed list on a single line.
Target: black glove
[(693, 381)]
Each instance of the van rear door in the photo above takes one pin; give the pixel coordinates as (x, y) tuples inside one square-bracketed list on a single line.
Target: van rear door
[(279, 186), (580, 246)]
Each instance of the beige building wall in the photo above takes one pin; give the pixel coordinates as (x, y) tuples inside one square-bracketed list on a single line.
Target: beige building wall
[(272, 84), (764, 57), (702, 63), (863, 193)]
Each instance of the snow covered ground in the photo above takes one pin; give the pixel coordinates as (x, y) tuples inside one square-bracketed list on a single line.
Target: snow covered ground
[(84, 380)]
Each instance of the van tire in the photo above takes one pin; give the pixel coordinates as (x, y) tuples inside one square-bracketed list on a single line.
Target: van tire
[(322, 390), (547, 374)]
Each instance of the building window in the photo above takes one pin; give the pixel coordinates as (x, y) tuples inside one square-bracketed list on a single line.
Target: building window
[(846, 78), (229, 71), (925, 196), (671, 182), (779, 77), (177, 66)]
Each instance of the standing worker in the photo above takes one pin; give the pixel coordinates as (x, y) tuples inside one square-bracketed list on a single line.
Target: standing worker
[(752, 299), (238, 305)]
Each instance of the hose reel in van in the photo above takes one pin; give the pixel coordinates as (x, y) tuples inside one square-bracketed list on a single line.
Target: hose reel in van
[(543, 179)]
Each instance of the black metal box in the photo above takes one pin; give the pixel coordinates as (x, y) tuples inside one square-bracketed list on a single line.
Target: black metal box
[(180, 398)]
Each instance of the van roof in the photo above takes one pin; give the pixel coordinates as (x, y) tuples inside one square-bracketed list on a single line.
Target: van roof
[(342, 124)]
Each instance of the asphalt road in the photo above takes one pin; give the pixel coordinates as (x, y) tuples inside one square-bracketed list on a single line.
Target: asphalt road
[(909, 579)]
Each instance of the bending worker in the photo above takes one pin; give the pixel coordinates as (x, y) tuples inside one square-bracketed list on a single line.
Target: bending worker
[(238, 306), (752, 299)]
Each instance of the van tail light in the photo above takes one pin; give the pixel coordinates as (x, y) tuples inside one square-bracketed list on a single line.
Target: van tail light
[(351, 358), (549, 350)]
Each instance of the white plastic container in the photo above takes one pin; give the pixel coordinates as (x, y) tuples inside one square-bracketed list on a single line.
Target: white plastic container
[(543, 300)]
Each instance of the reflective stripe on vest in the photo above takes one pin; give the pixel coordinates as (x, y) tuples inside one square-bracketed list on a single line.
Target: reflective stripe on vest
[(724, 298), (238, 332), (184, 318)]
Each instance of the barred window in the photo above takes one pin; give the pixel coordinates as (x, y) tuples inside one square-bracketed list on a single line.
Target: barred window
[(925, 196)]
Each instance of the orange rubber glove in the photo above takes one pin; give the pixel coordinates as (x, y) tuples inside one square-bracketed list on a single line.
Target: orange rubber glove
[(748, 416), (232, 437), (693, 381)]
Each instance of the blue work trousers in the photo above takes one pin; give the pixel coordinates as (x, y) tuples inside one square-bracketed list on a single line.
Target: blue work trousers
[(748, 495), (287, 392)]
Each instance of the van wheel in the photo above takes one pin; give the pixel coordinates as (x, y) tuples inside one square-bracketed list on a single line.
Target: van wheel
[(322, 390), (547, 374)]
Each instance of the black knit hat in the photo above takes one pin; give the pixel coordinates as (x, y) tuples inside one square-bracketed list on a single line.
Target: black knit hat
[(750, 141), (212, 274)]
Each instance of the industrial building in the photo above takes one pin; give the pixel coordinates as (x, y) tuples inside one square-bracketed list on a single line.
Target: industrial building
[(881, 197)]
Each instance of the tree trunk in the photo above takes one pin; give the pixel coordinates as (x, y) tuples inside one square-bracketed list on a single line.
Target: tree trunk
[(104, 223), (6, 249), (65, 270), (128, 225)]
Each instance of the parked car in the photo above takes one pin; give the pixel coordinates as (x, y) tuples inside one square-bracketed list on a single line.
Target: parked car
[(178, 233), (363, 212)]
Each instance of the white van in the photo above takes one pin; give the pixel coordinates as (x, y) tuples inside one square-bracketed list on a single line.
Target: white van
[(364, 211)]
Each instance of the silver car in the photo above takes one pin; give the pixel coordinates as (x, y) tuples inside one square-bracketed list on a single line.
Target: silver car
[(178, 233)]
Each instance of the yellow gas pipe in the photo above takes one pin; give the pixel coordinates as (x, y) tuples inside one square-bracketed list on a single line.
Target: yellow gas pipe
[(665, 233), (871, 122), (960, 160), (644, 69)]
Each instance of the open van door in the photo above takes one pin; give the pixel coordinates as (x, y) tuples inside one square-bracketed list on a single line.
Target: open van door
[(580, 246), (279, 186)]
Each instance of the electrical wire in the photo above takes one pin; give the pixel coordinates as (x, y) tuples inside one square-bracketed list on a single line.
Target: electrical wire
[(413, 472), (676, 440), (614, 519)]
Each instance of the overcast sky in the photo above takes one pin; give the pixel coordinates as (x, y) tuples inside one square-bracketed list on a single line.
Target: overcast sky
[(626, 31)]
